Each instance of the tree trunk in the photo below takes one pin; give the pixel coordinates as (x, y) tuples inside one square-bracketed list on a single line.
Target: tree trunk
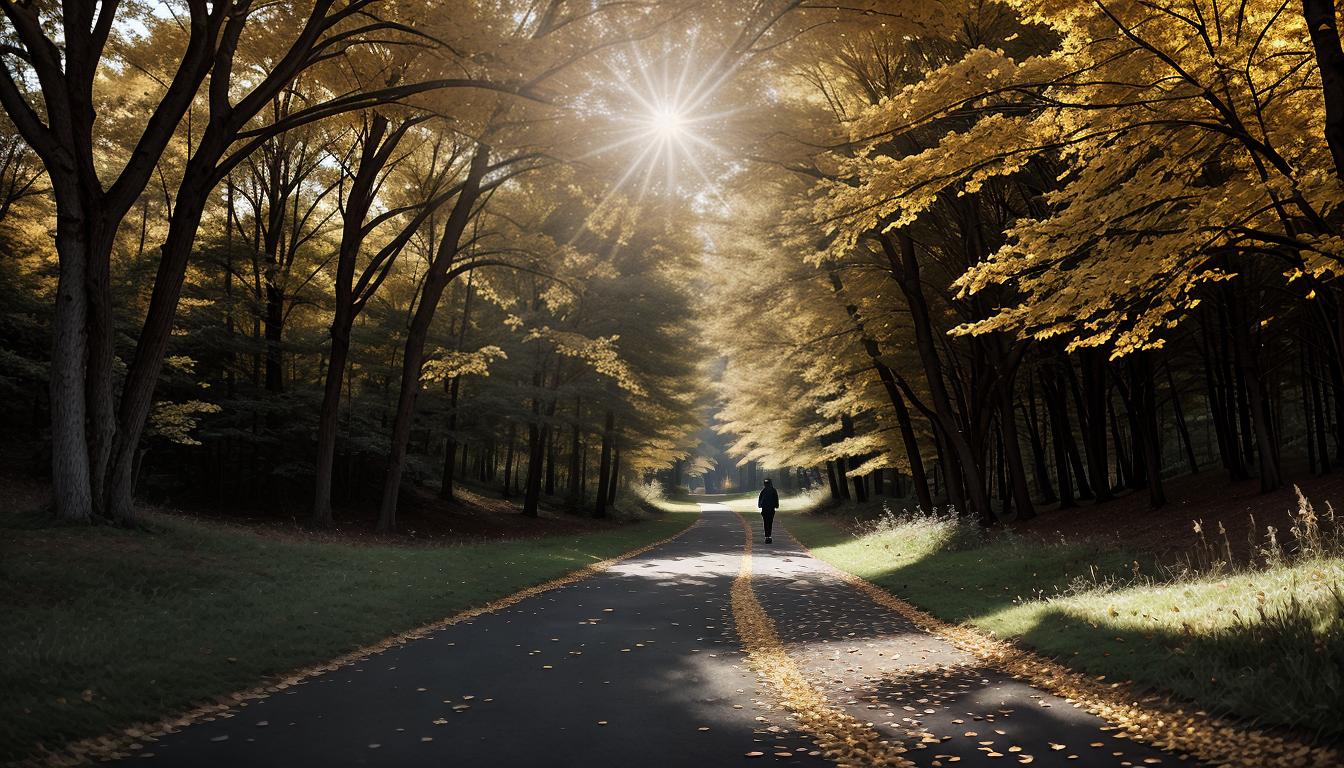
[(142, 373), (1124, 470), (507, 488), (831, 480), (1256, 402), (450, 444), (436, 280), (1321, 25), (1062, 434), (1145, 399), (1319, 429), (1012, 451), (71, 490), (537, 436), (604, 469), (905, 268), (575, 491), (842, 477), (328, 420), (1181, 427), (1038, 463), (614, 484), (274, 331), (1095, 391), (550, 462), (888, 379)]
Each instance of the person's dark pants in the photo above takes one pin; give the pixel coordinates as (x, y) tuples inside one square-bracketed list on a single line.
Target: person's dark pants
[(768, 515)]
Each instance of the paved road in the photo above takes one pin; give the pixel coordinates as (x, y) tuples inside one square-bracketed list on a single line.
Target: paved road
[(641, 666)]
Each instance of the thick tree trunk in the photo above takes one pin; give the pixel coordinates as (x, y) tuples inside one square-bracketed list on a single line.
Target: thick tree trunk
[(860, 484), (507, 488), (152, 345), (842, 477), (1322, 26), (274, 333), (71, 490), (328, 424), (102, 415)]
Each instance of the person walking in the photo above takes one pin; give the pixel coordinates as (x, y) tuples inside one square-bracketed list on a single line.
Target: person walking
[(768, 501)]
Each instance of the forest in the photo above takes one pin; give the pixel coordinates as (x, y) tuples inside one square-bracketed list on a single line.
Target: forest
[(992, 256), (337, 265)]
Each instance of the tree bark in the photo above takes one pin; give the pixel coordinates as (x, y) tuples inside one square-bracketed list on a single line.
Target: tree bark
[(70, 474), (1321, 24)]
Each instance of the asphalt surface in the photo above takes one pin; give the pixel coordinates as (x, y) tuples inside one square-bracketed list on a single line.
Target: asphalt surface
[(640, 665)]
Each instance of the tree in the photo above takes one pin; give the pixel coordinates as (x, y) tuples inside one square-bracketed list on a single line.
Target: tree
[(63, 55)]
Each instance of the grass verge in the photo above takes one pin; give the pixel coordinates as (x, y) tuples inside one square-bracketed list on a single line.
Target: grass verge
[(104, 627), (1265, 644)]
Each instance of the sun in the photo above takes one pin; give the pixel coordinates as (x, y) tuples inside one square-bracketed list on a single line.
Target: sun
[(660, 114), (667, 122)]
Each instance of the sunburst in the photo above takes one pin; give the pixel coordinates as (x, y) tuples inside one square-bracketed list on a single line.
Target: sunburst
[(661, 114)]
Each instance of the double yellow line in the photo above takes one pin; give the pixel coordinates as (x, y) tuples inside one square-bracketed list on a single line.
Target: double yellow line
[(839, 736)]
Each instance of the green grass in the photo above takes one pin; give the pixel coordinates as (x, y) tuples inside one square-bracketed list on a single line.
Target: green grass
[(104, 627), (1264, 644)]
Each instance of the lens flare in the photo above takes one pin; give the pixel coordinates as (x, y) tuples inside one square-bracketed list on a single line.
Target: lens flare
[(667, 122)]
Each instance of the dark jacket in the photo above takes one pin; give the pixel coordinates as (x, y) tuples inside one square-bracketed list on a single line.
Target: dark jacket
[(769, 498)]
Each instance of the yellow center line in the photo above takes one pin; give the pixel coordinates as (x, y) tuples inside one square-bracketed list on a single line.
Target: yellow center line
[(839, 736)]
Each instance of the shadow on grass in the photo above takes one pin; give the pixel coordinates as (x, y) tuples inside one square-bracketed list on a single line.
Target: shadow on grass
[(103, 626), (1275, 664)]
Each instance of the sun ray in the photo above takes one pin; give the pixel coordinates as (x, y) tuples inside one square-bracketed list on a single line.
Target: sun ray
[(661, 106)]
